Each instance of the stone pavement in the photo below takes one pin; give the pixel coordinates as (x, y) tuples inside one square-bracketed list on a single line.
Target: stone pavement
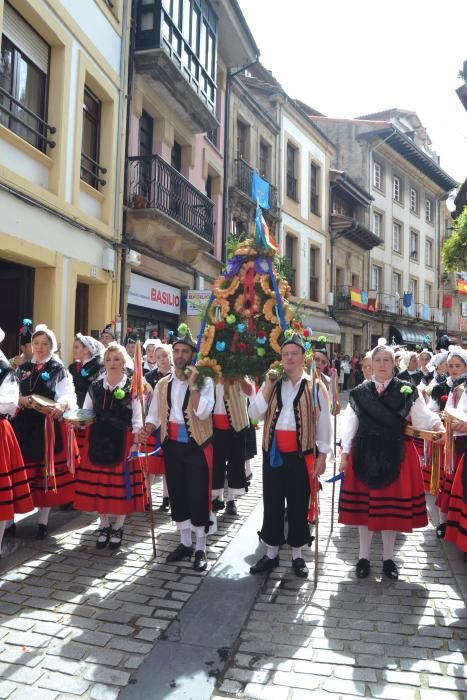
[(75, 622)]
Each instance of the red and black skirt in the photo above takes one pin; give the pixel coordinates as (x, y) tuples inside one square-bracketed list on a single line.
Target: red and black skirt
[(447, 479), (15, 494), (117, 489), (456, 524), (156, 464), (400, 506)]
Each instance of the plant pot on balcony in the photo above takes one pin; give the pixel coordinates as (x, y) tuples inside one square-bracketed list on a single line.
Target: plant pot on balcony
[(140, 201)]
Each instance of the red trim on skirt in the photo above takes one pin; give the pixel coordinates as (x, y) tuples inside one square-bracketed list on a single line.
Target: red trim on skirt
[(456, 524), (64, 480), (102, 489), (156, 464), (286, 441), (400, 506), (15, 494)]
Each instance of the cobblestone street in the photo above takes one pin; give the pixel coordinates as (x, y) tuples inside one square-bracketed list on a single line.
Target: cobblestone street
[(80, 623)]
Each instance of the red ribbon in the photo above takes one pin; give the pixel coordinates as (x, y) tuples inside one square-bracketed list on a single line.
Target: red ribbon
[(249, 293), (49, 465)]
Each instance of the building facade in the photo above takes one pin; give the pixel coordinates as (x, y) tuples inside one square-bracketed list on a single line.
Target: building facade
[(389, 154), (184, 53), (62, 133)]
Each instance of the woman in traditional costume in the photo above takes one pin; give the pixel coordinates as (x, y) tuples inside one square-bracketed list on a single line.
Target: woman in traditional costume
[(164, 365), (15, 494), (87, 365), (108, 481), (456, 522), (383, 486), (149, 361), (47, 448), (457, 381)]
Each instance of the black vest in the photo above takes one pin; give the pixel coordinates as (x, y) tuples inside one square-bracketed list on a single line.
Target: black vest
[(83, 377), (113, 419)]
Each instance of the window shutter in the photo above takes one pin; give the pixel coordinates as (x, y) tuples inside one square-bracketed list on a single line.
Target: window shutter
[(21, 34)]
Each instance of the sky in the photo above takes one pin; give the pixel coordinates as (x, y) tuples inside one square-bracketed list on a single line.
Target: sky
[(347, 58)]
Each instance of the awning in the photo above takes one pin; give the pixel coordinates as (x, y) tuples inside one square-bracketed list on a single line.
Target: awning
[(323, 324), (409, 336)]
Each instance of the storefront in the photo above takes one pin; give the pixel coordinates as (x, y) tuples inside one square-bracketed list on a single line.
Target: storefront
[(153, 307)]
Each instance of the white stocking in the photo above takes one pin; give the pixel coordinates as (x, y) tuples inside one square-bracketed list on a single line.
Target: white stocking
[(272, 552), (389, 540), (296, 552), (118, 522), (3, 524), (185, 537), (105, 522), (442, 516), (366, 536), (200, 543), (165, 490), (43, 516)]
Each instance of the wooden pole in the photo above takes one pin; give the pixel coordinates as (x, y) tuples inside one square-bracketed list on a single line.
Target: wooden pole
[(334, 473), (316, 499), (148, 482)]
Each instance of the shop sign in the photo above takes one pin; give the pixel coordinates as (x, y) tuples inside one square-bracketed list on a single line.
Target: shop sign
[(196, 300), (154, 295)]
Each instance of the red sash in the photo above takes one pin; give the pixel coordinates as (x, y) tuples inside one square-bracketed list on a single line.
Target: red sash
[(287, 442), (221, 421)]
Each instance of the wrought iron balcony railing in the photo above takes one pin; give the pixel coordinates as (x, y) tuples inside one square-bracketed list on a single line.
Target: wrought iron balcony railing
[(380, 302), (39, 130), (154, 184), (243, 180)]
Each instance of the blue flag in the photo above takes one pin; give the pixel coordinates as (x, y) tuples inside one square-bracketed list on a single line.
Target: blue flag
[(260, 190)]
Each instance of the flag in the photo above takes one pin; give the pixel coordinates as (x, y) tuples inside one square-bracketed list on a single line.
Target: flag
[(263, 236), (260, 190), (462, 286), (358, 298), (136, 387)]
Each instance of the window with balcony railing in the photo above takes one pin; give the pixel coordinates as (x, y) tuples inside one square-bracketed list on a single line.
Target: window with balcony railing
[(91, 170), (23, 81)]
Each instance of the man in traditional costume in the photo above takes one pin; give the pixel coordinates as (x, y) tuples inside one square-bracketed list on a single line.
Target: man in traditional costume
[(296, 439), (183, 410)]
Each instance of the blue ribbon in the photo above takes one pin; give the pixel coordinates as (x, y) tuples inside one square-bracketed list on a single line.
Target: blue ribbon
[(182, 435), (275, 457), (338, 477), (135, 455), (127, 479), (280, 308)]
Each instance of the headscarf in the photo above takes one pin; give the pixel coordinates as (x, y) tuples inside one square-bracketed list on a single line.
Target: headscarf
[(157, 342), (457, 351), (94, 346), (405, 359), (43, 328), (437, 359), (382, 345)]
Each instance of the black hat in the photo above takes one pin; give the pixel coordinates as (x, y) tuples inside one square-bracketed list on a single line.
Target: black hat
[(110, 330), (25, 332), (443, 343), (322, 350), (294, 339), (184, 336), (131, 337)]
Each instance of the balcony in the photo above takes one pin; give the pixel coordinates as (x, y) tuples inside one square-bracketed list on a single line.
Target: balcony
[(347, 298), (177, 64), (243, 181), (165, 210)]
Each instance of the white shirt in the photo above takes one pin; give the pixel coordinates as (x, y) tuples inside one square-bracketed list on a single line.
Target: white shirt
[(179, 388), (286, 421), (136, 417), (9, 395), (420, 416), (219, 406)]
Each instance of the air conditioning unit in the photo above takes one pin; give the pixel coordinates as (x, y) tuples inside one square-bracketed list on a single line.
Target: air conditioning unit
[(133, 258), (108, 259)]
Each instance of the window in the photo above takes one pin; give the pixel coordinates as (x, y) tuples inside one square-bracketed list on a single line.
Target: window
[(342, 205), (396, 237), (376, 277), (208, 188), (291, 172), (24, 67), (427, 294), (356, 281), (290, 245), (264, 160), (314, 275), (377, 176), (146, 128), (378, 224), (414, 289), (243, 133), (90, 143), (314, 188), (428, 210), (413, 200), (176, 156), (413, 252), (340, 277), (429, 252), (396, 189), (396, 284)]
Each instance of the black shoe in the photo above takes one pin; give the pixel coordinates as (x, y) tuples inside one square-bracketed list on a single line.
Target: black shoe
[(115, 538), (390, 570), (217, 505), (299, 567), (10, 531), (441, 531), (231, 508), (41, 533), (200, 563), (67, 506), (165, 505), (363, 568), (103, 535), (182, 552), (264, 564)]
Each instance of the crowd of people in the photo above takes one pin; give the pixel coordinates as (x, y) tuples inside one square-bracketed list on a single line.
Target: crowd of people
[(77, 437)]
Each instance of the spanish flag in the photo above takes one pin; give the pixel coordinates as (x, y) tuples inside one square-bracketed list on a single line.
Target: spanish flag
[(358, 298), (462, 286), (263, 236)]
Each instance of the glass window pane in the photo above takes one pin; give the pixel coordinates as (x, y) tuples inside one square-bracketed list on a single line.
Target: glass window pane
[(6, 75), (30, 82)]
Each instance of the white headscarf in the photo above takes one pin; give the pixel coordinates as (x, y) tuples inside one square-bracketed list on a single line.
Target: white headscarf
[(43, 328), (405, 359), (152, 341), (437, 359), (457, 351), (382, 345), (94, 346)]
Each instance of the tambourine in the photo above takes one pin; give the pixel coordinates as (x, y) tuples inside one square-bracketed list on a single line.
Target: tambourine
[(42, 403), (79, 417), (456, 414), (421, 433)]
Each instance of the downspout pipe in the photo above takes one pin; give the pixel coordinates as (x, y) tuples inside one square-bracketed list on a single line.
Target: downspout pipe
[(225, 193)]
